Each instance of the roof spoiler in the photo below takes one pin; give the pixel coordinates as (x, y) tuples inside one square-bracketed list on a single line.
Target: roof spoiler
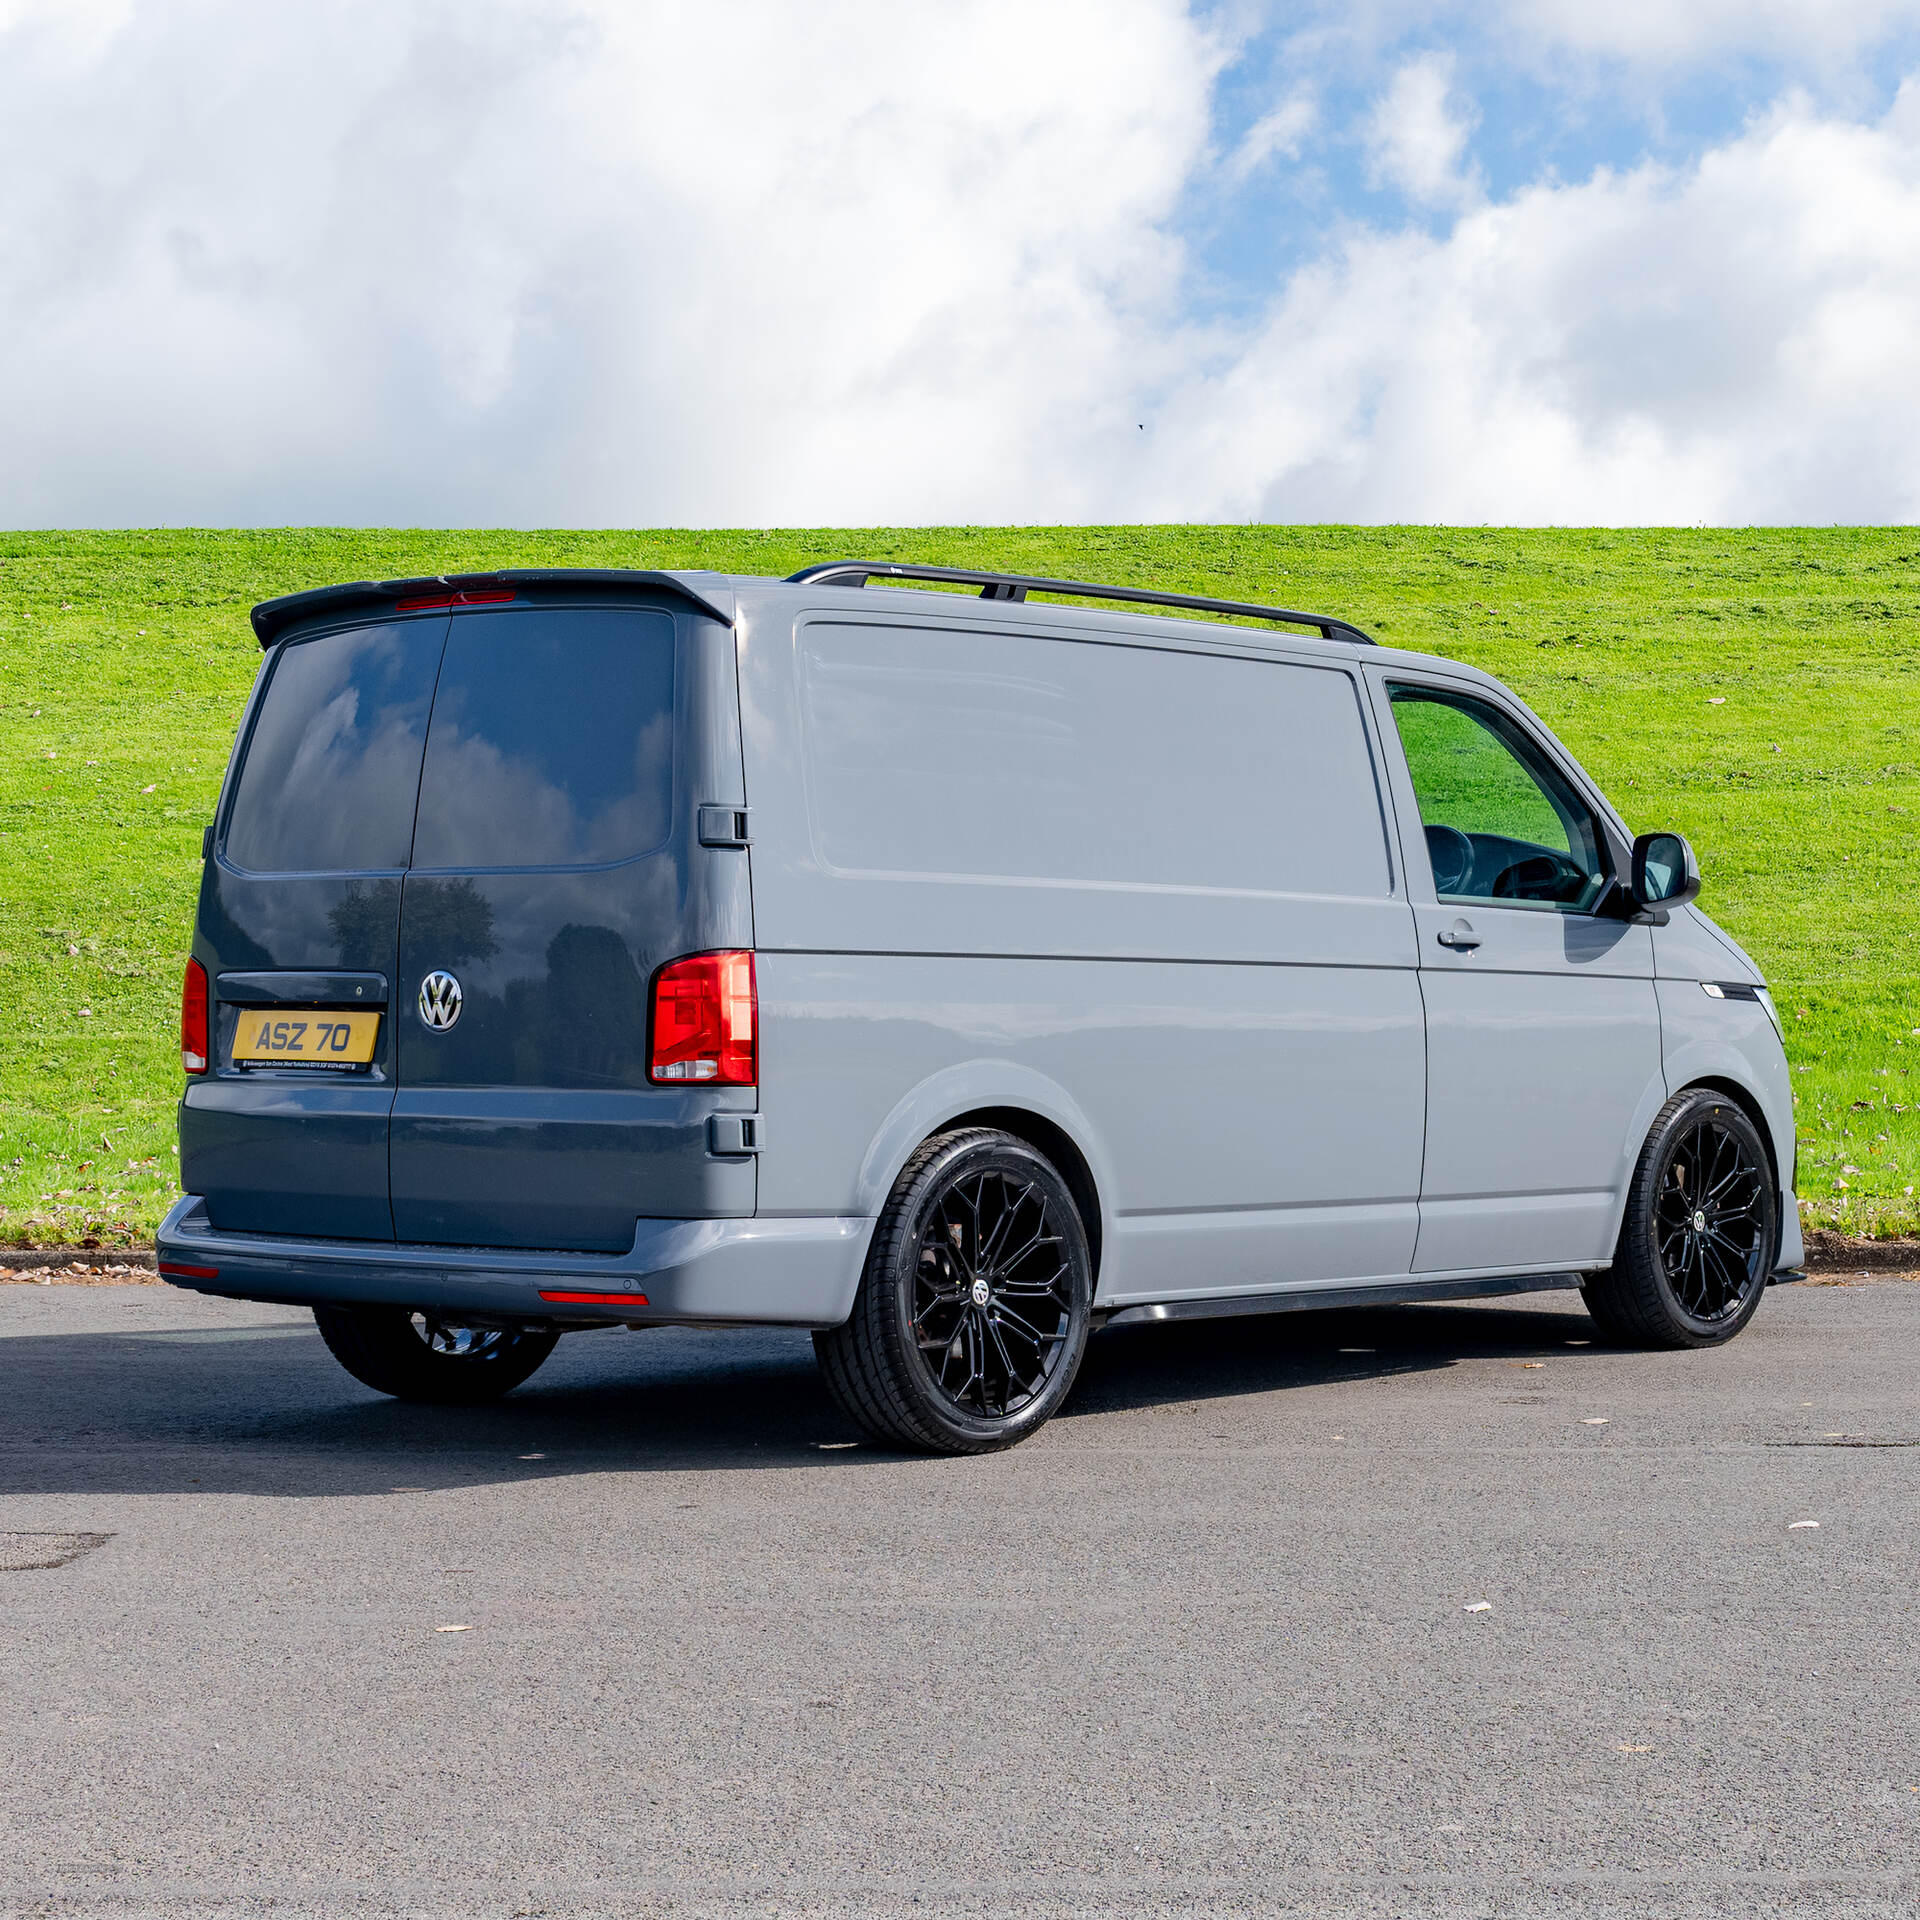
[(271, 618)]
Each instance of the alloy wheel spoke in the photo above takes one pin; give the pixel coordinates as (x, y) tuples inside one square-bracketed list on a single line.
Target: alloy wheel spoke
[(998, 1229)]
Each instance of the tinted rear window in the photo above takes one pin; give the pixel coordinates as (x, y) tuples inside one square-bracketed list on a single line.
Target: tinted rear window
[(334, 762), (552, 740)]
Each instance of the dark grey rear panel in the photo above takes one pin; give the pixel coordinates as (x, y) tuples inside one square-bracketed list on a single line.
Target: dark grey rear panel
[(507, 795)]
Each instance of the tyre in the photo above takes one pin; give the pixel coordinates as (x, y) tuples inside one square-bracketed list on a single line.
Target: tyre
[(414, 1356), (1701, 1232), (973, 1310)]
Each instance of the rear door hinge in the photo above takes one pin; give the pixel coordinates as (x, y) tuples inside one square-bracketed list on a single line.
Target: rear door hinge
[(723, 827), (729, 1133)]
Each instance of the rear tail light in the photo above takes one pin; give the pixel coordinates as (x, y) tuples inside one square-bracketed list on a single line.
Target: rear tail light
[(704, 1020), (193, 1018)]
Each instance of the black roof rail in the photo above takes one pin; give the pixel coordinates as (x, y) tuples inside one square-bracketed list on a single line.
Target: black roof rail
[(1016, 586)]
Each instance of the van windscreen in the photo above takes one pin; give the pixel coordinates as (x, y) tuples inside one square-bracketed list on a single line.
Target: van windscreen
[(333, 763)]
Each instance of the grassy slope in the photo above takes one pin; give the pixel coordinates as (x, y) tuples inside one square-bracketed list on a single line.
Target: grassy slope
[(1757, 690)]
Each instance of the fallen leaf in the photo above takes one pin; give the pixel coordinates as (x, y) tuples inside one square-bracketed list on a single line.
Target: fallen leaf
[(1718, 700), (1794, 1526), (1478, 1606), (533, 1456), (1626, 1749), (461, 1627), (1595, 1423), (149, 789)]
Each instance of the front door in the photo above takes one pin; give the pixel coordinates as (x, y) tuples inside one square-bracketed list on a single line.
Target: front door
[(1543, 1033)]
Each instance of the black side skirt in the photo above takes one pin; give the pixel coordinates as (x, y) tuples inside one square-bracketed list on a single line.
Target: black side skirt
[(1302, 1299)]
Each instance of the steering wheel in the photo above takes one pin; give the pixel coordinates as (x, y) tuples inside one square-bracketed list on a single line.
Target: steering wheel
[(1541, 876), (1452, 855)]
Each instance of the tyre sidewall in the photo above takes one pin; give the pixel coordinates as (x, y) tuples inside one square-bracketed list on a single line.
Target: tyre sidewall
[(963, 1160), (382, 1349), (1644, 1251)]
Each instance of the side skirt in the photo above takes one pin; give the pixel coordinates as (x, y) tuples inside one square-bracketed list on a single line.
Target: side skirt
[(1304, 1299)]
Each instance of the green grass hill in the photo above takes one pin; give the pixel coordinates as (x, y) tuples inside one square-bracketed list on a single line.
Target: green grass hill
[(1758, 690)]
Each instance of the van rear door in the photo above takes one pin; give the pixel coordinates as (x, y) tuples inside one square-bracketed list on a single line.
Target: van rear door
[(556, 864), (300, 916)]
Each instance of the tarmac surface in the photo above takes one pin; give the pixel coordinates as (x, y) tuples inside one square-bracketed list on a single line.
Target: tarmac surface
[(1429, 1611)]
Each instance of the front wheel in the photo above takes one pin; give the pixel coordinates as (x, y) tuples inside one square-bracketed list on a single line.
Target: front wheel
[(973, 1311), (1701, 1231), (414, 1356)]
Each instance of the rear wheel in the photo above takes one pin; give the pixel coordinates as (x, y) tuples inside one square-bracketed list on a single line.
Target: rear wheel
[(973, 1311), (1701, 1232), (415, 1356)]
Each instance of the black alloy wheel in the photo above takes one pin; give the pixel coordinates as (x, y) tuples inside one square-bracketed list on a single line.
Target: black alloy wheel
[(419, 1356), (1701, 1231), (974, 1309)]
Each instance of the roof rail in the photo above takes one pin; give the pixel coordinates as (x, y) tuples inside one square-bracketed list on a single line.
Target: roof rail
[(1016, 586)]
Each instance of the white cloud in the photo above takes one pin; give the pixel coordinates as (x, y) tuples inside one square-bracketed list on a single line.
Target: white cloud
[(737, 262), (1669, 31), (1417, 141), (1281, 134), (530, 262), (1727, 342)]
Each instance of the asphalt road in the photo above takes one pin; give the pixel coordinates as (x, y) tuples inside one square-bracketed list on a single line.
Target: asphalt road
[(1204, 1646)]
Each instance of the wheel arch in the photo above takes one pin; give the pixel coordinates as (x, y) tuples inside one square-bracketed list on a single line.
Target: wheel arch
[(1745, 1100), (1047, 1137), (1014, 1098)]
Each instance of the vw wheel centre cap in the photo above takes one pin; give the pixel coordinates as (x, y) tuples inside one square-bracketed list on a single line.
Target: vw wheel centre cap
[(440, 1000)]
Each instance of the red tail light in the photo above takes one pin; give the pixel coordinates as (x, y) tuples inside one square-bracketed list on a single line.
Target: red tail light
[(193, 1018), (705, 1013)]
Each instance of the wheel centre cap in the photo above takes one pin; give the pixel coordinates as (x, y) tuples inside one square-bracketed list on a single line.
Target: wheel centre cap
[(982, 1293), (1699, 1223)]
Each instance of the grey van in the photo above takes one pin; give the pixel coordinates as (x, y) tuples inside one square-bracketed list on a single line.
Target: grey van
[(947, 972)]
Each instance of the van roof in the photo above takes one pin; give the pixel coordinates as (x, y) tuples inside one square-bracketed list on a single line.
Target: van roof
[(715, 594)]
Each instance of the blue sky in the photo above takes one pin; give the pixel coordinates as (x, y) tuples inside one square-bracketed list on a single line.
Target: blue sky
[(537, 262), (1533, 112)]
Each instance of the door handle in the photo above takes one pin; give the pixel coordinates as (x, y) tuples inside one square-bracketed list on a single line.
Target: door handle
[(1460, 937)]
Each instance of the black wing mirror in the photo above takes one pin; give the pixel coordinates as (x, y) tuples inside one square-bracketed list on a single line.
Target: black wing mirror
[(1665, 873)]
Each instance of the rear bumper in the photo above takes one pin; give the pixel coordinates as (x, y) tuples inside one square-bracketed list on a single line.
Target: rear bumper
[(777, 1272)]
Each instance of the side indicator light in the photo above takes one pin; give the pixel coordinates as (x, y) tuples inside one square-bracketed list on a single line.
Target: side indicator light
[(174, 1270), (593, 1299), (420, 603)]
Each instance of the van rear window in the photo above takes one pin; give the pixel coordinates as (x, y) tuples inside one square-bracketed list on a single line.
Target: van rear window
[(552, 740), (333, 763)]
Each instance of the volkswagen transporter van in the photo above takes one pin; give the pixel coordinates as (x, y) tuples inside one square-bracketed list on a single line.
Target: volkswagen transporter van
[(942, 971)]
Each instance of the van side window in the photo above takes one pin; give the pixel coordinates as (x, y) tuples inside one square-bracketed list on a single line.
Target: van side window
[(1501, 822), (333, 762), (1002, 756), (552, 740)]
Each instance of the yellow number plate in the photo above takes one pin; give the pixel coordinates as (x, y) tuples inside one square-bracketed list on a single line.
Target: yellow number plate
[(274, 1036)]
